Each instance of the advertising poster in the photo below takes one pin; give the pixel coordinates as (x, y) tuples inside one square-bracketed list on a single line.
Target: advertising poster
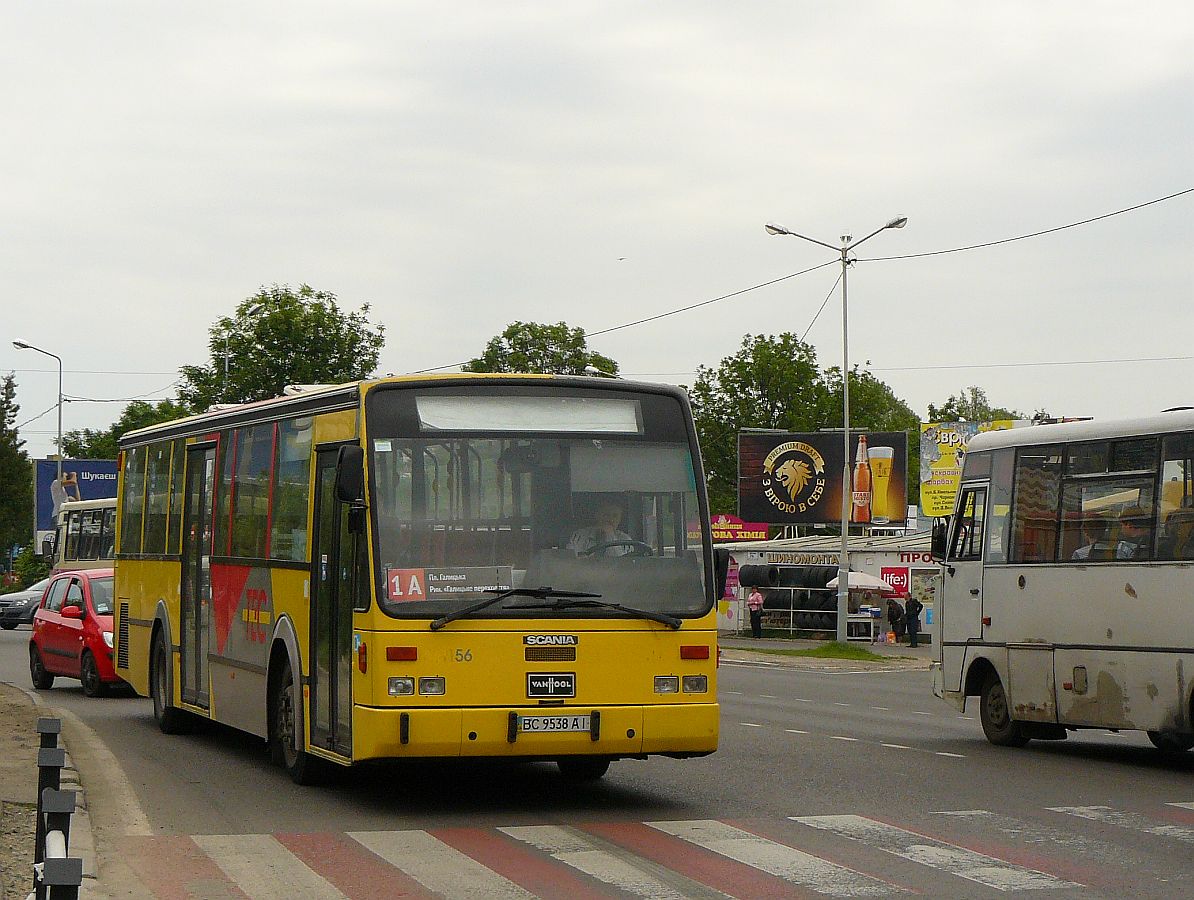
[(942, 449), (82, 479), (796, 479)]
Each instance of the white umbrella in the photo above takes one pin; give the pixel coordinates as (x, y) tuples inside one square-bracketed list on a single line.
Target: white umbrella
[(864, 582)]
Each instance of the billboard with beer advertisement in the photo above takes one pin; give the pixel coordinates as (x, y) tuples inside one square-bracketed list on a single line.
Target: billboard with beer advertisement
[(796, 479)]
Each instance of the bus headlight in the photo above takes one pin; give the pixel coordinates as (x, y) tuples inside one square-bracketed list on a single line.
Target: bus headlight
[(400, 686), (696, 684), (667, 684), (433, 684)]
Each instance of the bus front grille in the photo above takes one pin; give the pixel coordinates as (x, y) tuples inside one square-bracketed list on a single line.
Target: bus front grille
[(550, 654)]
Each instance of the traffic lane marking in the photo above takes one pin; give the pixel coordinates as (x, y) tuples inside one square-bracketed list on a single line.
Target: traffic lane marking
[(851, 739)]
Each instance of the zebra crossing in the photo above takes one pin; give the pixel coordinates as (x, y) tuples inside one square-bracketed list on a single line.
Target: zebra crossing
[(1061, 851)]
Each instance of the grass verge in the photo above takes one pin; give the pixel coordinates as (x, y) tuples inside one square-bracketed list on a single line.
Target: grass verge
[(829, 650)]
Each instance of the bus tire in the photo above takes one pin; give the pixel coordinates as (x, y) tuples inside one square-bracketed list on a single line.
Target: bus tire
[(93, 685), (285, 741), (998, 725), (1171, 741), (170, 719), (42, 680), (583, 768)]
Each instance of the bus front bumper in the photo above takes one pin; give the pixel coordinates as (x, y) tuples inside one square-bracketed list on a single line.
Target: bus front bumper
[(689, 729)]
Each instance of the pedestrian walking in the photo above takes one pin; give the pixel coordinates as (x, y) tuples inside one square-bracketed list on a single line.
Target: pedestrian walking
[(912, 608), (755, 603)]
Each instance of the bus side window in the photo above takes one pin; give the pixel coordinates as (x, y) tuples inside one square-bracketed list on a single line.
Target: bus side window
[(968, 529)]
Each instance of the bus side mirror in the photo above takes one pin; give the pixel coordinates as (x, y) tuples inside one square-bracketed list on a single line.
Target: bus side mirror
[(350, 475), (721, 569), (47, 549), (937, 547)]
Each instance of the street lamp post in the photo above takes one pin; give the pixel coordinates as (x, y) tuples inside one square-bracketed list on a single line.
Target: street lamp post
[(22, 345), (843, 565)]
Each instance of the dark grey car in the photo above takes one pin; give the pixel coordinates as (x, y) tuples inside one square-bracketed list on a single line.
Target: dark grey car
[(18, 607)]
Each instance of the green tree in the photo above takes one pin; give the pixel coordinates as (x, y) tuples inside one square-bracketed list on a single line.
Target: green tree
[(970, 405), (875, 407), (775, 382), (281, 336), (542, 349), (771, 382), (30, 566), (101, 443), (16, 473)]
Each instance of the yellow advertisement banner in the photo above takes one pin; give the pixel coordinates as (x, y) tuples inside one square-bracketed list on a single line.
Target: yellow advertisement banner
[(942, 448)]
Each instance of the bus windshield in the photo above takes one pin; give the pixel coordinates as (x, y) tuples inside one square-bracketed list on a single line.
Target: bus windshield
[(463, 510)]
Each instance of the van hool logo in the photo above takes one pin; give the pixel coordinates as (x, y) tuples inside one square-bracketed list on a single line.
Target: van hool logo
[(794, 477), (551, 684)]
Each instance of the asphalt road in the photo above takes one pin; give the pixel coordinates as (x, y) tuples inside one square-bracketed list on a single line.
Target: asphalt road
[(850, 784)]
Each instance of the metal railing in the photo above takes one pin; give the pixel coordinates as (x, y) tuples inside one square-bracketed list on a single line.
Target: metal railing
[(56, 874)]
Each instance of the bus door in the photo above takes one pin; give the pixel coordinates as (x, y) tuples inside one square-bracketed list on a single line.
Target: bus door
[(195, 589), (960, 615), (333, 576)]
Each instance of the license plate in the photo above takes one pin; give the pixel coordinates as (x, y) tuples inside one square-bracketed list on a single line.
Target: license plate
[(543, 724)]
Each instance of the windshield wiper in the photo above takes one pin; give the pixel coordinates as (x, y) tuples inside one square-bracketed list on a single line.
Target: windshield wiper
[(542, 593), (663, 618)]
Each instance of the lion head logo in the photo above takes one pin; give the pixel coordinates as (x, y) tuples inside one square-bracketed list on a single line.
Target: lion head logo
[(794, 479), (793, 474)]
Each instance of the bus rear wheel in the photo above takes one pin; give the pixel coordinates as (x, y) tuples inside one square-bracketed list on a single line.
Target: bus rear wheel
[(170, 719), (583, 768), (285, 739), (998, 725), (1171, 741)]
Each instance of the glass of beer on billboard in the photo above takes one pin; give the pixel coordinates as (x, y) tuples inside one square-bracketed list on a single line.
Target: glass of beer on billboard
[(881, 460)]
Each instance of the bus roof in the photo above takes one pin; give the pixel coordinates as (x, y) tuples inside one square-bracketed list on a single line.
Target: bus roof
[(101, 503), (1181, 419), (329, 398)]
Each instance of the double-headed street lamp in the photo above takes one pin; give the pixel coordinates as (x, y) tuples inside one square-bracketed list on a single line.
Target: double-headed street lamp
[(843, 566), (21, 345)]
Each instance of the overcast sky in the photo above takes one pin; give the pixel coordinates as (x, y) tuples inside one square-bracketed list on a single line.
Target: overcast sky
[(460, 167)]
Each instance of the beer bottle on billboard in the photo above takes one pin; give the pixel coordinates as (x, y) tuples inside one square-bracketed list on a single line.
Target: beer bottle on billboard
[(860, 507)]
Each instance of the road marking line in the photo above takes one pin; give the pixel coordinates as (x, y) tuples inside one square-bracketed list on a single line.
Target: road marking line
[(750, 724), (435, 865), (917, 712), (895, 746), (801, 700), (951, 755), (839, 737), (795, 731), (788, 863), (586, 855), (918, 848), (1032, 833), (263, 868), (769, 696), (884, 708), (1182, 805), (731, 692), (839, 703), (1132, 821)]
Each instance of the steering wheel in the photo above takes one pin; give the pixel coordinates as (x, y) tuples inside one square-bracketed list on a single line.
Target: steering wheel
[(638, 548)]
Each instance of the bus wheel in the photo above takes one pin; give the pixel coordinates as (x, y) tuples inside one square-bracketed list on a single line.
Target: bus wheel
[(583, 768), (93, 685), (285, 741), (1171, 742), (42, 680), (998, 725), (170, 719)]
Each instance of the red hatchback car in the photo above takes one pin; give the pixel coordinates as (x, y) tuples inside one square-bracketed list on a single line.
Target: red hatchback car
[(72, 632)]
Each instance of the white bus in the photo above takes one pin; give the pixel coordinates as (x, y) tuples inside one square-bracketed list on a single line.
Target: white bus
[(1067, 598), (84, 536)]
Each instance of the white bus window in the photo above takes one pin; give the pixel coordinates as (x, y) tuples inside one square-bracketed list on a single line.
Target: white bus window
[(999, 512), (1034, 513), (1091, 513), (968, 528)]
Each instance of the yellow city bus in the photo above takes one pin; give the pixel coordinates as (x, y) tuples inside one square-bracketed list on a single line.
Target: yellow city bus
[(426, 567)]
